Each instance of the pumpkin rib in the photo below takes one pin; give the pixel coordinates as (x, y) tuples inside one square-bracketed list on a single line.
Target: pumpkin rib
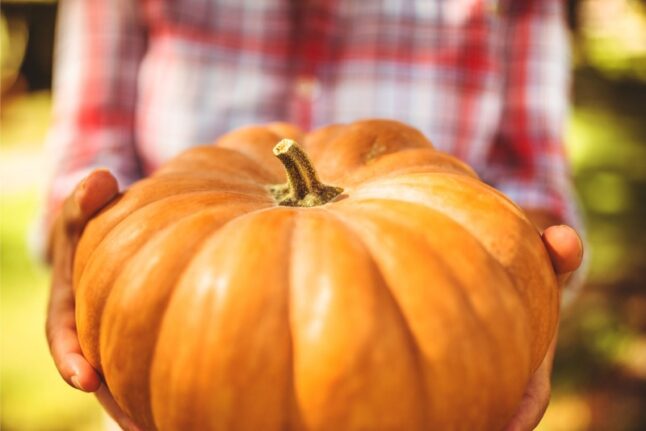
[(412, 188), (359, 144), (293, 418), (389, 201), (313, 141), (319, 231), (471, 182), (97, 238), (252, 186), (113, 336), (191, 261), (371, 186), (407, 170), (409, 160), (465, 299), (240, 180), (138, 196), (471, 311), (255, 143), (197, 385), (357, 221), (394, 212), (507, 270), (176, 180), (500, 198), (207, 159), (102, 295), (410, 338)]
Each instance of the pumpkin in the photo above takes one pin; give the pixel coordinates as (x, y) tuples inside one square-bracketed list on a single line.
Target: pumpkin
[(388, 289)]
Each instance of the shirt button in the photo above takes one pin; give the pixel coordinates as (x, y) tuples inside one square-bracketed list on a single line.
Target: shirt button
[(308, 87)]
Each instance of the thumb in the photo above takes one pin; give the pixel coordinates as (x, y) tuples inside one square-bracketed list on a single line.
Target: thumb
[(565, 249), (89, 196)]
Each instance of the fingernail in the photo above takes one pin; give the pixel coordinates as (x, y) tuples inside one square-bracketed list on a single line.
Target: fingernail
[(75, 382)]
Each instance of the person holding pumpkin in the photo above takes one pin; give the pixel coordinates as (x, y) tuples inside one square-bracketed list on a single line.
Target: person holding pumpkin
[(137, 82)]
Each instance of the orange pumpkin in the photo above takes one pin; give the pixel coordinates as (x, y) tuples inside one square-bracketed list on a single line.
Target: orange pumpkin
[(407, 295)]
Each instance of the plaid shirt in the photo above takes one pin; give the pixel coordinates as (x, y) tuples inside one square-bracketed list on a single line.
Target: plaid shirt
[(139, 81)]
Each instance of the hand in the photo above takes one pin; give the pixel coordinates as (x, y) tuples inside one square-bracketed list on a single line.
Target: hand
[(92, 194), (566, 251)]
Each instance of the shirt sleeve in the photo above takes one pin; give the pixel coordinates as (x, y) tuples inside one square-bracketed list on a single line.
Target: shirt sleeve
[(528, 161), (99, 47)]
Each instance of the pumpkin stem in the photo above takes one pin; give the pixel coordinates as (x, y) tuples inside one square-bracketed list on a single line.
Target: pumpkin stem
[(303, 188)]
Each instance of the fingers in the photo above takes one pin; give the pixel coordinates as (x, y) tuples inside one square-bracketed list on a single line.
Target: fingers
[(63, 341), (107, 401), (565, 248), (96, 190), (532, 408), (537, 395)]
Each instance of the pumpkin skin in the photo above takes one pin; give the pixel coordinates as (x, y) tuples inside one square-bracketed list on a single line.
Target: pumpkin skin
[(420, 298)]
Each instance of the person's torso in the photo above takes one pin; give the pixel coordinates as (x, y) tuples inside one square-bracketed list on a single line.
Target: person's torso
[(212, 66)]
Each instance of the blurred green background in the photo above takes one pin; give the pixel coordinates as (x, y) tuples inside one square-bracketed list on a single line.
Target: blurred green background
[(600, 369)]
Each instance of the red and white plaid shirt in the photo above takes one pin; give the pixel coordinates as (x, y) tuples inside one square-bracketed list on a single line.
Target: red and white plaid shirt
[(138, 81)]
